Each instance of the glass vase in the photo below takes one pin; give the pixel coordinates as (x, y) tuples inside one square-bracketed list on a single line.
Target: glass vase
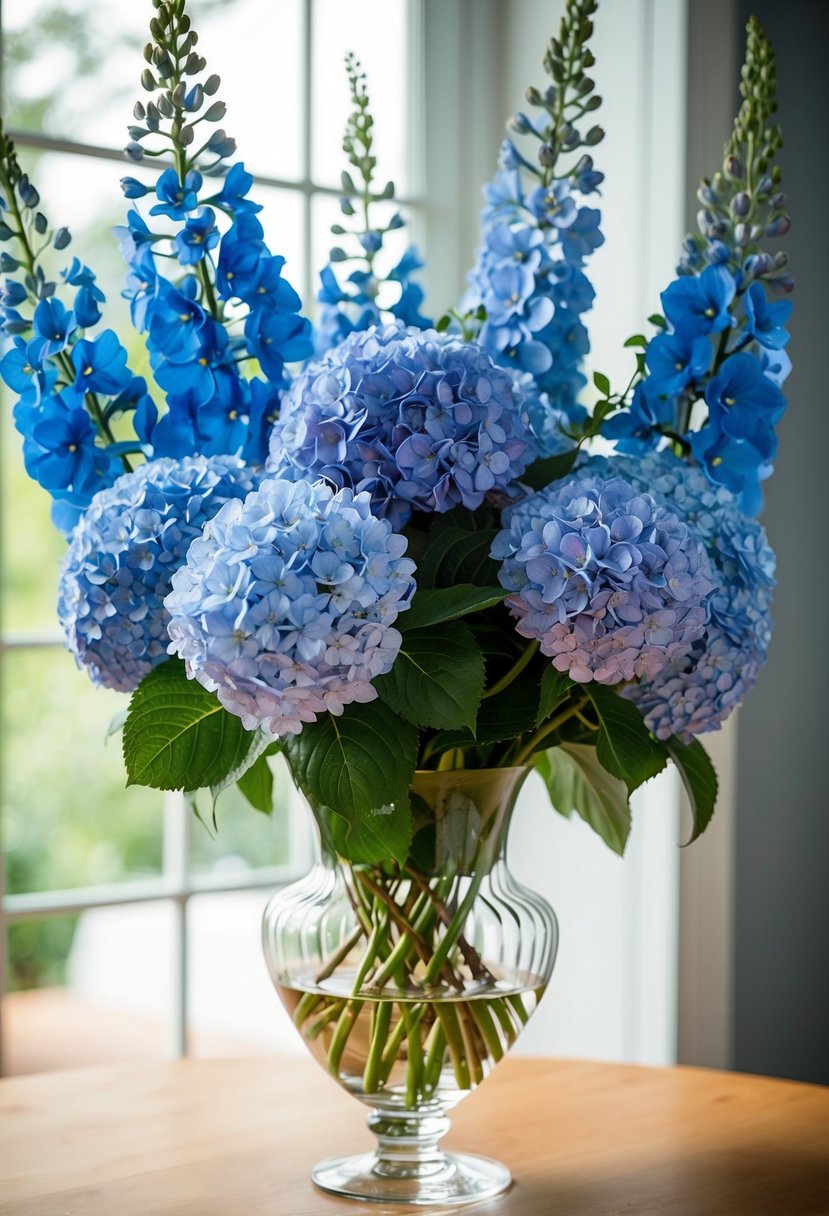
[(408, 983)]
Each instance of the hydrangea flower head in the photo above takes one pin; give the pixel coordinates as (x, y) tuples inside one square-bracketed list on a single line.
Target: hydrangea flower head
[(124, 551), (613, 584), (697, 691), (418, 419), (285, 609)]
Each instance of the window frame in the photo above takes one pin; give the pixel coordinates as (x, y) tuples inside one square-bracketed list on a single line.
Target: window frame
[(177, 884)]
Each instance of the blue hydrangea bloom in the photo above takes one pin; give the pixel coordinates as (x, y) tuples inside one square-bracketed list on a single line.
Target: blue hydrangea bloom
[(612, 583), (697, 691), (418, 419), (124, 551), (286, 610)]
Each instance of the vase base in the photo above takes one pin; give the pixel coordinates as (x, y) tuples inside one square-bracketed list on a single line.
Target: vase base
[(455, 1178)]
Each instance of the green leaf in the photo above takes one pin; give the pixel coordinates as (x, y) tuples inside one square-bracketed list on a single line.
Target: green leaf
[(373, 836), (456, 555), (256, 785), (542, 472), (434, 605), (261, 744), (699, 778), (602, 383), (658, 320), (437, 678), (177, 736), (116, 724), (576, 781), (624, 744), (555, 688), (637, 340), (506, 716), (356, 762)]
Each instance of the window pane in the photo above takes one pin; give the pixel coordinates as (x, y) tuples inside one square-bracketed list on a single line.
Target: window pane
[(73, 70), (68, 819), (73, 67), (256, 48), (93, 989), (233, 1006), (282, 219), (246, 838), (376, 31)]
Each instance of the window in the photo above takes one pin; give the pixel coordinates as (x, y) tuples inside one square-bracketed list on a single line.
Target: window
[(125, 923)]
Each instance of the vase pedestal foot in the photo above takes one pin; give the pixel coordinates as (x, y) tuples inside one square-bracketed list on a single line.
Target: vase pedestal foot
[(447, 1178)]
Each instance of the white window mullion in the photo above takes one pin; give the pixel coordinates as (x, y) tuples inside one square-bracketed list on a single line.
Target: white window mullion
[(176, 871)]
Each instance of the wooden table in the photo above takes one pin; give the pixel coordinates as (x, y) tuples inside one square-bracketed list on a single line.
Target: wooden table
[(217, 1138)]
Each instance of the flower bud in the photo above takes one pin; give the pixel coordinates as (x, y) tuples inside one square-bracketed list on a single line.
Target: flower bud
[(756, 232), (546, 156), (742, 235), (734, 168), (781, 259), (533, 96), (741, 204), (778, 226)]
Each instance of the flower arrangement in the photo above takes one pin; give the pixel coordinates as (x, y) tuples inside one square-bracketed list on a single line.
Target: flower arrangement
[(391, 535)]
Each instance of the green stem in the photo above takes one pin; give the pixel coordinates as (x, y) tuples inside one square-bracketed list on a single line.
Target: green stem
[(340, 954), (343, 1029), (435, 1050), (380, 1031), (548, 728), (525, 658)]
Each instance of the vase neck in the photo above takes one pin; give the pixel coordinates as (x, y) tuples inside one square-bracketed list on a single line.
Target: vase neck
[(460, 820)]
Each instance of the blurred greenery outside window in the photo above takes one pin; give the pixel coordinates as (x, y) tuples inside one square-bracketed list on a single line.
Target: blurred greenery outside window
[(70, 77)]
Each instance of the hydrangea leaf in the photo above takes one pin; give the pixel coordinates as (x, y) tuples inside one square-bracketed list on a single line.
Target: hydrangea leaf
[(177, 736), (256, 785), (541, 473), (624, 745), (375, 836), (577, 781), (260, 743), (555, 687), (699, 778), (434, 605), (437, 678), (356, 762), (506, 716), (458, 556)]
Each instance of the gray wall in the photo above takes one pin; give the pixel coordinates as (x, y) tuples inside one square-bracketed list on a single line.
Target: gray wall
[(781, 992)]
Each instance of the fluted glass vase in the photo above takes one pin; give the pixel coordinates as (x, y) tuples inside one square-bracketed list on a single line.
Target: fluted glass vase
[(409, 982)]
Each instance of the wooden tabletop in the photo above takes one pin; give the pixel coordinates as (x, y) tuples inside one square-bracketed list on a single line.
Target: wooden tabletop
[(237, 1138)]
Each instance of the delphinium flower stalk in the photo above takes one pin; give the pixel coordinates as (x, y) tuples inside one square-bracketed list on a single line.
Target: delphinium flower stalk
[(364, 296), (722, 337), (528, 290), (71, 386), (224, 308)]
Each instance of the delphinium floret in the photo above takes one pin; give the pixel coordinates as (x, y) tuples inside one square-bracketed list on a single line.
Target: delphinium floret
[(528, 290), (226, 305), (420, 420), (710, 380), (613, 584), (365, 295), (129, 542), (71, 385), (285, 608)]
